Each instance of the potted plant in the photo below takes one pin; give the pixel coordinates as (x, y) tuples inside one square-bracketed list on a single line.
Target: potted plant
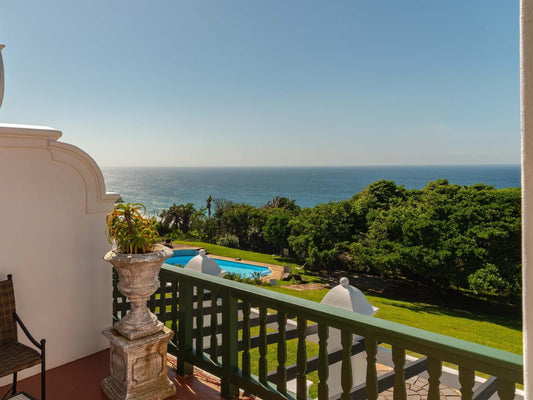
[(137, 258)]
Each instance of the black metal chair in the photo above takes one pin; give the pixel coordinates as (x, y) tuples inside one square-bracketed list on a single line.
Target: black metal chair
[(15, 356)]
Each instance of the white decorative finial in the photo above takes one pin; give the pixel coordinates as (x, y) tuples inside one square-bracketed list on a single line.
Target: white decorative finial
[(202, 252), (344, 282), (1, 75)]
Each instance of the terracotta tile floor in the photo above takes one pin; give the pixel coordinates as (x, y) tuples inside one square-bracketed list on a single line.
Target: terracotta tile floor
[(81, 379)]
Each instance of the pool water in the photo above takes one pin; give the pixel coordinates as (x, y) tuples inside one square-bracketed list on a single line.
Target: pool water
[(182, 257)]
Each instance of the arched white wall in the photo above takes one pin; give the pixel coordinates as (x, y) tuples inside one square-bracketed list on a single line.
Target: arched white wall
[(53, 205)]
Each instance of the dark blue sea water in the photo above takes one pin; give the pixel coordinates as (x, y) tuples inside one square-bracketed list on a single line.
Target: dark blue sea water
[(159, 188)]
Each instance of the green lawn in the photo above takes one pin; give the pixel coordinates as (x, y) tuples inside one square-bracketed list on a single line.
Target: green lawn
[(463, 318), (490, 330), (235, 253)]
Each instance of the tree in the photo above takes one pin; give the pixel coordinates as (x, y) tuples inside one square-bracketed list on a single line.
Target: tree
[(208, 205), (221, 205), (283, 203), (383, 193), (245, 222), (326, 228), (276, 230), (445, 233), (178, 217)]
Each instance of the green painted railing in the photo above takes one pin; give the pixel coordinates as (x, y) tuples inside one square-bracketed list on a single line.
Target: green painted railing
[(226, 306)]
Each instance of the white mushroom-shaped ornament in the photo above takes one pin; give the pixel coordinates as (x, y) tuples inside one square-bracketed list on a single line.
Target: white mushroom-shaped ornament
[(349, 298), (207, 265)]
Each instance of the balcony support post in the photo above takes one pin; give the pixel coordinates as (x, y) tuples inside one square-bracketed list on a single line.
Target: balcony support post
[(526, 116), (230, 345), (185, 328)]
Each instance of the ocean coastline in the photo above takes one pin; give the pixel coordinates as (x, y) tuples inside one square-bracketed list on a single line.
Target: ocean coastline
[(160, 187)]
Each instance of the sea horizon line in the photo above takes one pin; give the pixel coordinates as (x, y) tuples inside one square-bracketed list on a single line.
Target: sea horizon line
[(315, 166)]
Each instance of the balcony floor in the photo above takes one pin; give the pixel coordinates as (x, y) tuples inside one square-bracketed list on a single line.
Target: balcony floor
[(81, 379)]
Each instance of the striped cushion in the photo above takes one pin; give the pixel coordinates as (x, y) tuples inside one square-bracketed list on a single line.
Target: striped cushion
[(16, 356)]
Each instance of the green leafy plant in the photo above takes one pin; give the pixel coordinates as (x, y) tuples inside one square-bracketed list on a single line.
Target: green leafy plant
[(233, 276), (255, 278), (130, 231)]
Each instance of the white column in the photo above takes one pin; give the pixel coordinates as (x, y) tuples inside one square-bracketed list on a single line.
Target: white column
[(1, 75), (526, 111)]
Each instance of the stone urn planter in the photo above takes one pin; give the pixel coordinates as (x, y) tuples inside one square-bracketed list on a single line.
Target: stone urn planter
[(138, 280), (138, 342)]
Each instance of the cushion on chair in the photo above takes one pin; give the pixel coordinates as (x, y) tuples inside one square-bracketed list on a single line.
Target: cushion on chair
[(8, 325), (16, 356)]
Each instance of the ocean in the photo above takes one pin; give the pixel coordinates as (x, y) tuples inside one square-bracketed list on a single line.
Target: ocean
[(159, 188)]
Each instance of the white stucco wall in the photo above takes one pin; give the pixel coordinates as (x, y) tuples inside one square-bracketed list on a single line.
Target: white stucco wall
[(52, 237), (526, 111)]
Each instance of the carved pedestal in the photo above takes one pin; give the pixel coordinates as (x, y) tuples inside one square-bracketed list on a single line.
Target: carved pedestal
[(138, 367)]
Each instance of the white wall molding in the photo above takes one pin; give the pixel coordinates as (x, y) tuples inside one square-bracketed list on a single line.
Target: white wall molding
[(97, 200), (45, 138)]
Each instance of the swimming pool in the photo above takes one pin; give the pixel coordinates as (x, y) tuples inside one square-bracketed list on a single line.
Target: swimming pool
[(183, 256)]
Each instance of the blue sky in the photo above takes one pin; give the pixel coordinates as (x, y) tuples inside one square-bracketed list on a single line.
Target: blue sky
[(258, 83)]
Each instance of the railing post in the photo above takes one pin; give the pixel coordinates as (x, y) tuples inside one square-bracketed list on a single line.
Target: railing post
[(371, 346), (398, 358), (115, 296), (301, 359), (174, 313), (282, 352), (199, 321), (506, 389), (434, 371), (263, 345), (346, 366), (185, 328), (466, 379), (323, 367), (246, 367), (230, 348), (213, 325)]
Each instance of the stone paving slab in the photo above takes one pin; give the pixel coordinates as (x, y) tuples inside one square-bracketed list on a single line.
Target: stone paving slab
[(417, 388)]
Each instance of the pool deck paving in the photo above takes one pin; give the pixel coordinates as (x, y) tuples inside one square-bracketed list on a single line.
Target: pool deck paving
[(417, 388)]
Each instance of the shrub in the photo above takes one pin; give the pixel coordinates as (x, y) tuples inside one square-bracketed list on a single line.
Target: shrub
[(233, 276), (256, 278), (228, 240), (488, 281)]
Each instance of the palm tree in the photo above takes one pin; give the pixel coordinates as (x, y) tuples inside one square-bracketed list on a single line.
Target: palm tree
[(281, 202), (178, 217), (187, 211), (209, 201), (171, 217)]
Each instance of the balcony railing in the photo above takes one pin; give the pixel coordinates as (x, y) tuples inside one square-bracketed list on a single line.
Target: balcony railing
[(216, 334)]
